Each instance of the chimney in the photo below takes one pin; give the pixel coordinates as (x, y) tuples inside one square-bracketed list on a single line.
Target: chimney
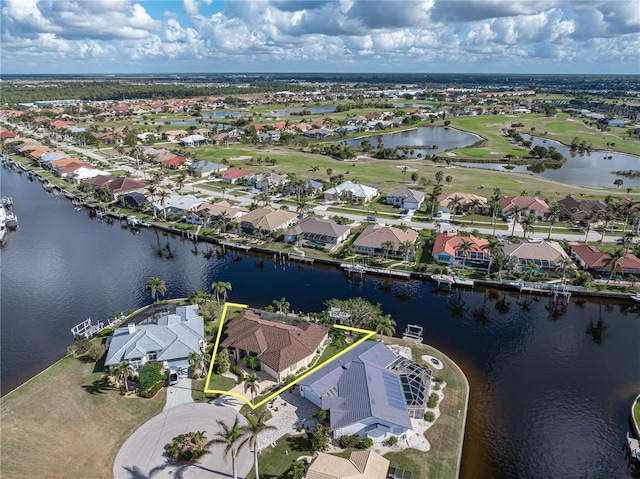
[(132, 328)]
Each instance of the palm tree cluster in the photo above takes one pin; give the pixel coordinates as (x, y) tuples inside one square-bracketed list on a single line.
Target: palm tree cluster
[(235, 437)]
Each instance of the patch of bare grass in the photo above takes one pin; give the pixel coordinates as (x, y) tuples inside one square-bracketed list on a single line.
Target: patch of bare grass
[(68, 422)]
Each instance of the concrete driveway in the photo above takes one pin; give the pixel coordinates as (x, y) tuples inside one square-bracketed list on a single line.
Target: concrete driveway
[(143, 455)]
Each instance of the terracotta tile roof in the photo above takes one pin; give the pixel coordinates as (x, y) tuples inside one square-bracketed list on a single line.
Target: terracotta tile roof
[(594, 258), (375, 235), (450, 243), (277, 345), (525, 202)]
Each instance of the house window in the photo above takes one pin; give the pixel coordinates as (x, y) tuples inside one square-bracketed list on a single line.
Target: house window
[(152, 356)]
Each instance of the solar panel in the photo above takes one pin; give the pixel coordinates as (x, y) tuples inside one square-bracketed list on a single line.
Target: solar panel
[(394, 396)]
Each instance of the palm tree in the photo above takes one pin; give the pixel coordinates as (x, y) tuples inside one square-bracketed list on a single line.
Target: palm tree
[(221, 288), (387, 247), (516, 214), (554, 211), (252, 384), (256, 425), (473, 206), (157, 286), (407, 247), (383, 325), (614, 261), (464, 248), (126, 370), (527, 225), (439, 177), (454, 204), (229, 436), (564, 265), (494, 249), (163, 195), (296, 470), (282, 305), (433, 197)]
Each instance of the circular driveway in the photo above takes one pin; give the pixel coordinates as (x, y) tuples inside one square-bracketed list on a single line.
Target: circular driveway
[(143, 455)]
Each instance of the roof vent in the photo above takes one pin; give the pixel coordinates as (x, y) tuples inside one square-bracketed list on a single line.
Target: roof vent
[(132, 328)]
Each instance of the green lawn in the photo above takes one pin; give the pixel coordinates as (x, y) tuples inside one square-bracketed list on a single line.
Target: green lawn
[(275, 461), (218, 382), (67, 422)]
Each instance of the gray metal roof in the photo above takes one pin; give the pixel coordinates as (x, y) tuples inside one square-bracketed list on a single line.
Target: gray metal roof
[(357, 386)]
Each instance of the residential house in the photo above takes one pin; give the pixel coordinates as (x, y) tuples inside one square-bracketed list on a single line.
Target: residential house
[(546, 255), (269, 181), (170, 340), (360, 465), (465, 202), (369, 392), (372, 240), (267, 220), (133, 200), (47, 158), (529, 205), (215, 211), (177, 204), (579, 210), (193, 140), (405, 198), (233, 175), (352, 192), (204, 168), (120, 185), (327, 233), (446, 250), (282, 349), (591, 258)]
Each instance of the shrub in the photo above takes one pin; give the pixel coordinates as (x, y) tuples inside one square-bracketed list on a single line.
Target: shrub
[(349, 440), (221, 364), (367, 442), (392, 441), (150, 374), (433, 400), (236, 370), (320, 414), (251, 361), (151, 392), (429, 416), (79, 348), (105, 332), (96, 351)]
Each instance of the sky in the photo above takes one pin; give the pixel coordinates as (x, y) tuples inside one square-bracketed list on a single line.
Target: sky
[(339, 36)]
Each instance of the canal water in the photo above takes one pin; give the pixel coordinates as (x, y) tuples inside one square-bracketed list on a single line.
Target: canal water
[(550, 387)]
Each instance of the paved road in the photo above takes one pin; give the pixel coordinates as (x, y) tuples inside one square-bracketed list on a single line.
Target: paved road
[(143, 455)]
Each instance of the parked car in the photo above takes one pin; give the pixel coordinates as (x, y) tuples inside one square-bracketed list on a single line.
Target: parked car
[(172, 379)]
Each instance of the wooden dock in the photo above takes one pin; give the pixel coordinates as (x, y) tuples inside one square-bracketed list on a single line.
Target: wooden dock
[(300, 258), (361, 269)]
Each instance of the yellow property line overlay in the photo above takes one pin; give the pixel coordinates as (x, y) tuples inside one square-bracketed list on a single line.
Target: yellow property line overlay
[(367, 334)]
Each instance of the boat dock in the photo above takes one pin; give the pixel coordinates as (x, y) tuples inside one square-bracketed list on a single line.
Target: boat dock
[(413, 333), (300, 258), (8, 221), (361, 269), (447, 281)]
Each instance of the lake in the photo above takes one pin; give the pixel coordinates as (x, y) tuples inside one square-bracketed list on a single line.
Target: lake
[(442, 137), (589, 169), (551, 387)]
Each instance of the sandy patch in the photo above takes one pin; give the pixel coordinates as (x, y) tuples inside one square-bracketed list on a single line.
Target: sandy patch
[(494, 153), (407, 167), (239, 158), (451, 154), (431, 361)]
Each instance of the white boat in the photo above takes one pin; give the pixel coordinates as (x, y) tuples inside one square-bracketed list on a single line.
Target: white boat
[(636, 298)]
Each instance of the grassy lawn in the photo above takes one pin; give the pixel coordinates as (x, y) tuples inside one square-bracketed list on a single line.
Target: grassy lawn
[(67, 423), (221, 383), (274, 461)]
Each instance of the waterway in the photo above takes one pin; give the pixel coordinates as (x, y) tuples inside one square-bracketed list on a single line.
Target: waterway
[(550, 389)]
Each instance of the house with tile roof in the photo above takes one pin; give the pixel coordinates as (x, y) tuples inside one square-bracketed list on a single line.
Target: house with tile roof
[(269, 180), (121, 185), (215, 211), (405, 198), (282, 349), (170, 340), (360, 465), (577, 210), (352, 192), (529, 205), (369, 392), (446, 250), (547, 255), (233, 175), (373, 237), (466, 201), (591, 258), (317, 230), (267, 220)]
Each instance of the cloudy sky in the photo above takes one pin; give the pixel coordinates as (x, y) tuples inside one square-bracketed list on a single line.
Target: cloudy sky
[(433, 36)]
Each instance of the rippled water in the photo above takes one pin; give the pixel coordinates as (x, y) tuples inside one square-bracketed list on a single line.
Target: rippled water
[(550, 390)]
